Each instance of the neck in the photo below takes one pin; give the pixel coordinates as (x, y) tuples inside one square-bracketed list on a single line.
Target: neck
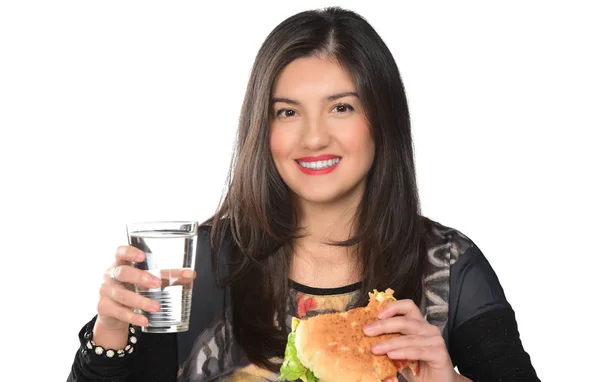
[(316, 262), (324, 223)]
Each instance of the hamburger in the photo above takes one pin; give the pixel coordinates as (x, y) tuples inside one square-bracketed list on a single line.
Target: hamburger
[(332, 347)]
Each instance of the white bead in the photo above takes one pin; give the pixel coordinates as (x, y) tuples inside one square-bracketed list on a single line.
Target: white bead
[(132, 330), (89, 345), (127, 347), (133, 340), (110, 353), (99, 350), (131, 350)]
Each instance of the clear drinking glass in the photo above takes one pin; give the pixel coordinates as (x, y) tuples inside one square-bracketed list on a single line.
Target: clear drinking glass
[(170, 247)]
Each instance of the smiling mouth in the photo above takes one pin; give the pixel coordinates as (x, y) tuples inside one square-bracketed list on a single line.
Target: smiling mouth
[(319, 165)]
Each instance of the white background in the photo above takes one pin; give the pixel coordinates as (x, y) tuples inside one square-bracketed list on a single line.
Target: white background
[(116, 111)]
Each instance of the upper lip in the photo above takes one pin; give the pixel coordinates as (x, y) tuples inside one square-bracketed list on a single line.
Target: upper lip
[(318, 158)]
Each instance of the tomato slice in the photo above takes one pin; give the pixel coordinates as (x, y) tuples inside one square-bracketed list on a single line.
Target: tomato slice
[(402, 363), (415, 366)]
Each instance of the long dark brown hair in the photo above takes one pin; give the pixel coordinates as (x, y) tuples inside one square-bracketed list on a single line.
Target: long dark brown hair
[(257, 214)]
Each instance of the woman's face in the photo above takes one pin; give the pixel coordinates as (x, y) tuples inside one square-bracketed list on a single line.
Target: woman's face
[(320, 137)]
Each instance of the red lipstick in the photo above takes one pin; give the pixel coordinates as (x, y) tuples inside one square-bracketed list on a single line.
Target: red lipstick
[(314, 171), (318, 158)]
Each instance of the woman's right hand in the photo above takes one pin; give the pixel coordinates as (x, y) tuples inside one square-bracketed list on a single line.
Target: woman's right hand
[(117, 297)]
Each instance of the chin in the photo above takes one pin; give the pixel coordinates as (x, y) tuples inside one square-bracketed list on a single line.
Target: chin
[(325, 197), (320, 199)]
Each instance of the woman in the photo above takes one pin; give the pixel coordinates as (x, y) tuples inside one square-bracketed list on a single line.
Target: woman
[(321, 208)]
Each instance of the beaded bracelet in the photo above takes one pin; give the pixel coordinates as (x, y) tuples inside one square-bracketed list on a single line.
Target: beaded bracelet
[(111, 353)]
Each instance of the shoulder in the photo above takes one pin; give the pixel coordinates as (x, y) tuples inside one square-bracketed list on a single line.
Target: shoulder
[(460, 254), (474, 287), (443, 244), (204, 247), (205, 233), (459, 279), (211, 237), (447, 246), (213, 250)]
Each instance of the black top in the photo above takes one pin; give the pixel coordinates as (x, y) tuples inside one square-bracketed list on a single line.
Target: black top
[(462, 296)]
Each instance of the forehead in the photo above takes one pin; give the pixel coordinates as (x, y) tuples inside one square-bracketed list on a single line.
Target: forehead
[(308, 76)]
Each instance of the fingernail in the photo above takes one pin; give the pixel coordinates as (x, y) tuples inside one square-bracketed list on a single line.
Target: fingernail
[(155, 306), (140, 256), (369, 329), (121, 251), (152, 280), (376, 348), (187, 273)]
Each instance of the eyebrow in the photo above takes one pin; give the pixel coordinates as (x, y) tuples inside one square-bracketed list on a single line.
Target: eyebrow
[(328, 98)]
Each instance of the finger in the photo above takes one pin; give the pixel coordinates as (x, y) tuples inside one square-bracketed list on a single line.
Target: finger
[(405, 342), (187, 273), (401, 307), (109, 308), (402, 325), (391, 379), (430, 355), (127, 254), (132, 275), (177, 276), (124, 297)]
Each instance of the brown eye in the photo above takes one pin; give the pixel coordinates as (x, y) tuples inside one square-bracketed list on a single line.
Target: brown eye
[(343, 108), (285, 113)]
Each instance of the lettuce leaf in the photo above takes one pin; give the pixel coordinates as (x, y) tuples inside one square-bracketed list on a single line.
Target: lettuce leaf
[(292, 369), (310, 377)]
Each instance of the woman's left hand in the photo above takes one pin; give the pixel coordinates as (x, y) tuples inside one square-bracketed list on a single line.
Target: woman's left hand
[(420, 341)]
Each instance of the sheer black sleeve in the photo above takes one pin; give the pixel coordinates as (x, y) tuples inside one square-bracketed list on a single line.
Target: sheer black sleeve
[(484, 339), (154, 359)]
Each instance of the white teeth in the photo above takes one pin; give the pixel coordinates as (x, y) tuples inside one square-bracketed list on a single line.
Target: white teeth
[(320, 165)]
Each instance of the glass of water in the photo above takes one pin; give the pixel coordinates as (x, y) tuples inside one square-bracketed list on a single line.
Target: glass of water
[(170, 248)]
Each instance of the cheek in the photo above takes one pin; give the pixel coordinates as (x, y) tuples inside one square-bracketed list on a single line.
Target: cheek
[(276, 144), (280, 143), (356, 138)]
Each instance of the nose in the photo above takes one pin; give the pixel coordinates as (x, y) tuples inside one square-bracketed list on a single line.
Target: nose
[(315, 134)]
